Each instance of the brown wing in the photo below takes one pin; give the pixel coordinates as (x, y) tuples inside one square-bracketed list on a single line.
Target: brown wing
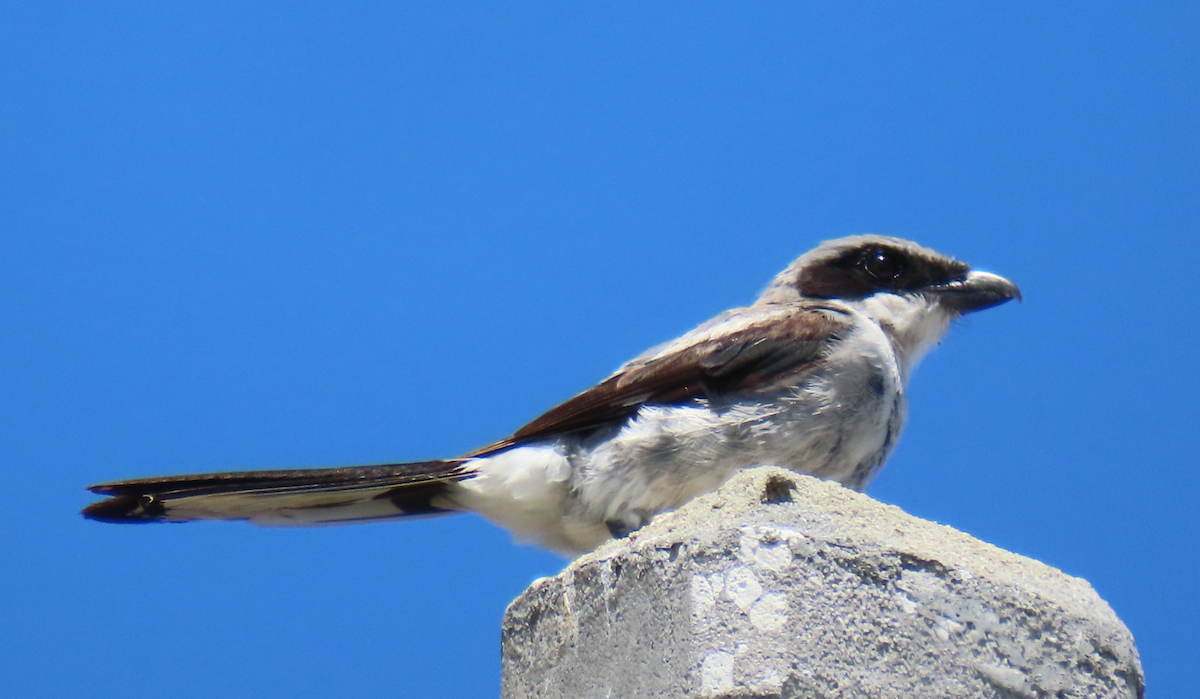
[(757, 356)]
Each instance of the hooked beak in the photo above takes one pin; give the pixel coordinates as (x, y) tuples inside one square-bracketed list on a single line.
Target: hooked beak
[(980, 290)]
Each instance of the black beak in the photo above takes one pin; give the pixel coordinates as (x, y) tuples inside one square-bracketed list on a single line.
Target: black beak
[(978, 291)]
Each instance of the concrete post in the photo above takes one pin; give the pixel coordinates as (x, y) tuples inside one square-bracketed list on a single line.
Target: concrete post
[(780, 585)]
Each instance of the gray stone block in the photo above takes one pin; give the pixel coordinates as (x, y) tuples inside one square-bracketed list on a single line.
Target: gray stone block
[(781, 585)]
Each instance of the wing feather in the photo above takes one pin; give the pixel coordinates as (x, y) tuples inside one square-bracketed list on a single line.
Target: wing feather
[(760, 352)]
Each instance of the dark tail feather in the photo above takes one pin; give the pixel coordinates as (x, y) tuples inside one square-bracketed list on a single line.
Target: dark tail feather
[(283, 498)]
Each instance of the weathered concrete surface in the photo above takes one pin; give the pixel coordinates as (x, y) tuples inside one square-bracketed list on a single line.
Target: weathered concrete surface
[(780, 585)]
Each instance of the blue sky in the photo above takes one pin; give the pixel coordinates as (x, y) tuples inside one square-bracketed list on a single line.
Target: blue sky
[(306, 234)]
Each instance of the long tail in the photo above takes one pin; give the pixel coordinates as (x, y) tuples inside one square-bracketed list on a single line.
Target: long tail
[(283, 498)]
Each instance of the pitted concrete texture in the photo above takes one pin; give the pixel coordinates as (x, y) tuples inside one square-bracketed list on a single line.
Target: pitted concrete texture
[(781, 585)]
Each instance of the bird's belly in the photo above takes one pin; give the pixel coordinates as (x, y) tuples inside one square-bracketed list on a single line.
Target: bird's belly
[(571, 492), (839, 428)]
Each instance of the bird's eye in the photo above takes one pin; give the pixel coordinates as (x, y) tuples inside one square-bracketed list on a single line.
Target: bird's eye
[(882, 265)]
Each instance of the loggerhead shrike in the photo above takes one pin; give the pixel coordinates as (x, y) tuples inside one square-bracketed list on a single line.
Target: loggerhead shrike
[(810, 377)]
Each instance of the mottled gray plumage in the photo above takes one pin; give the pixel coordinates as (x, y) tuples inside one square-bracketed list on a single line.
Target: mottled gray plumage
[(810, 377)]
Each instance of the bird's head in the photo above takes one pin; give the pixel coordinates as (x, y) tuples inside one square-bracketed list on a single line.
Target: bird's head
[(912, 292)]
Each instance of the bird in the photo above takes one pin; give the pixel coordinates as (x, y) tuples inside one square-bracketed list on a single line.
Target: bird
[(812, 377)]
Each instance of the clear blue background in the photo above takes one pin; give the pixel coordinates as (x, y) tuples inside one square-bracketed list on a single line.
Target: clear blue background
[(306, 234)]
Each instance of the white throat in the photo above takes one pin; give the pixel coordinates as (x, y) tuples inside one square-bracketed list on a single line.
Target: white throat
[(913, 324)]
